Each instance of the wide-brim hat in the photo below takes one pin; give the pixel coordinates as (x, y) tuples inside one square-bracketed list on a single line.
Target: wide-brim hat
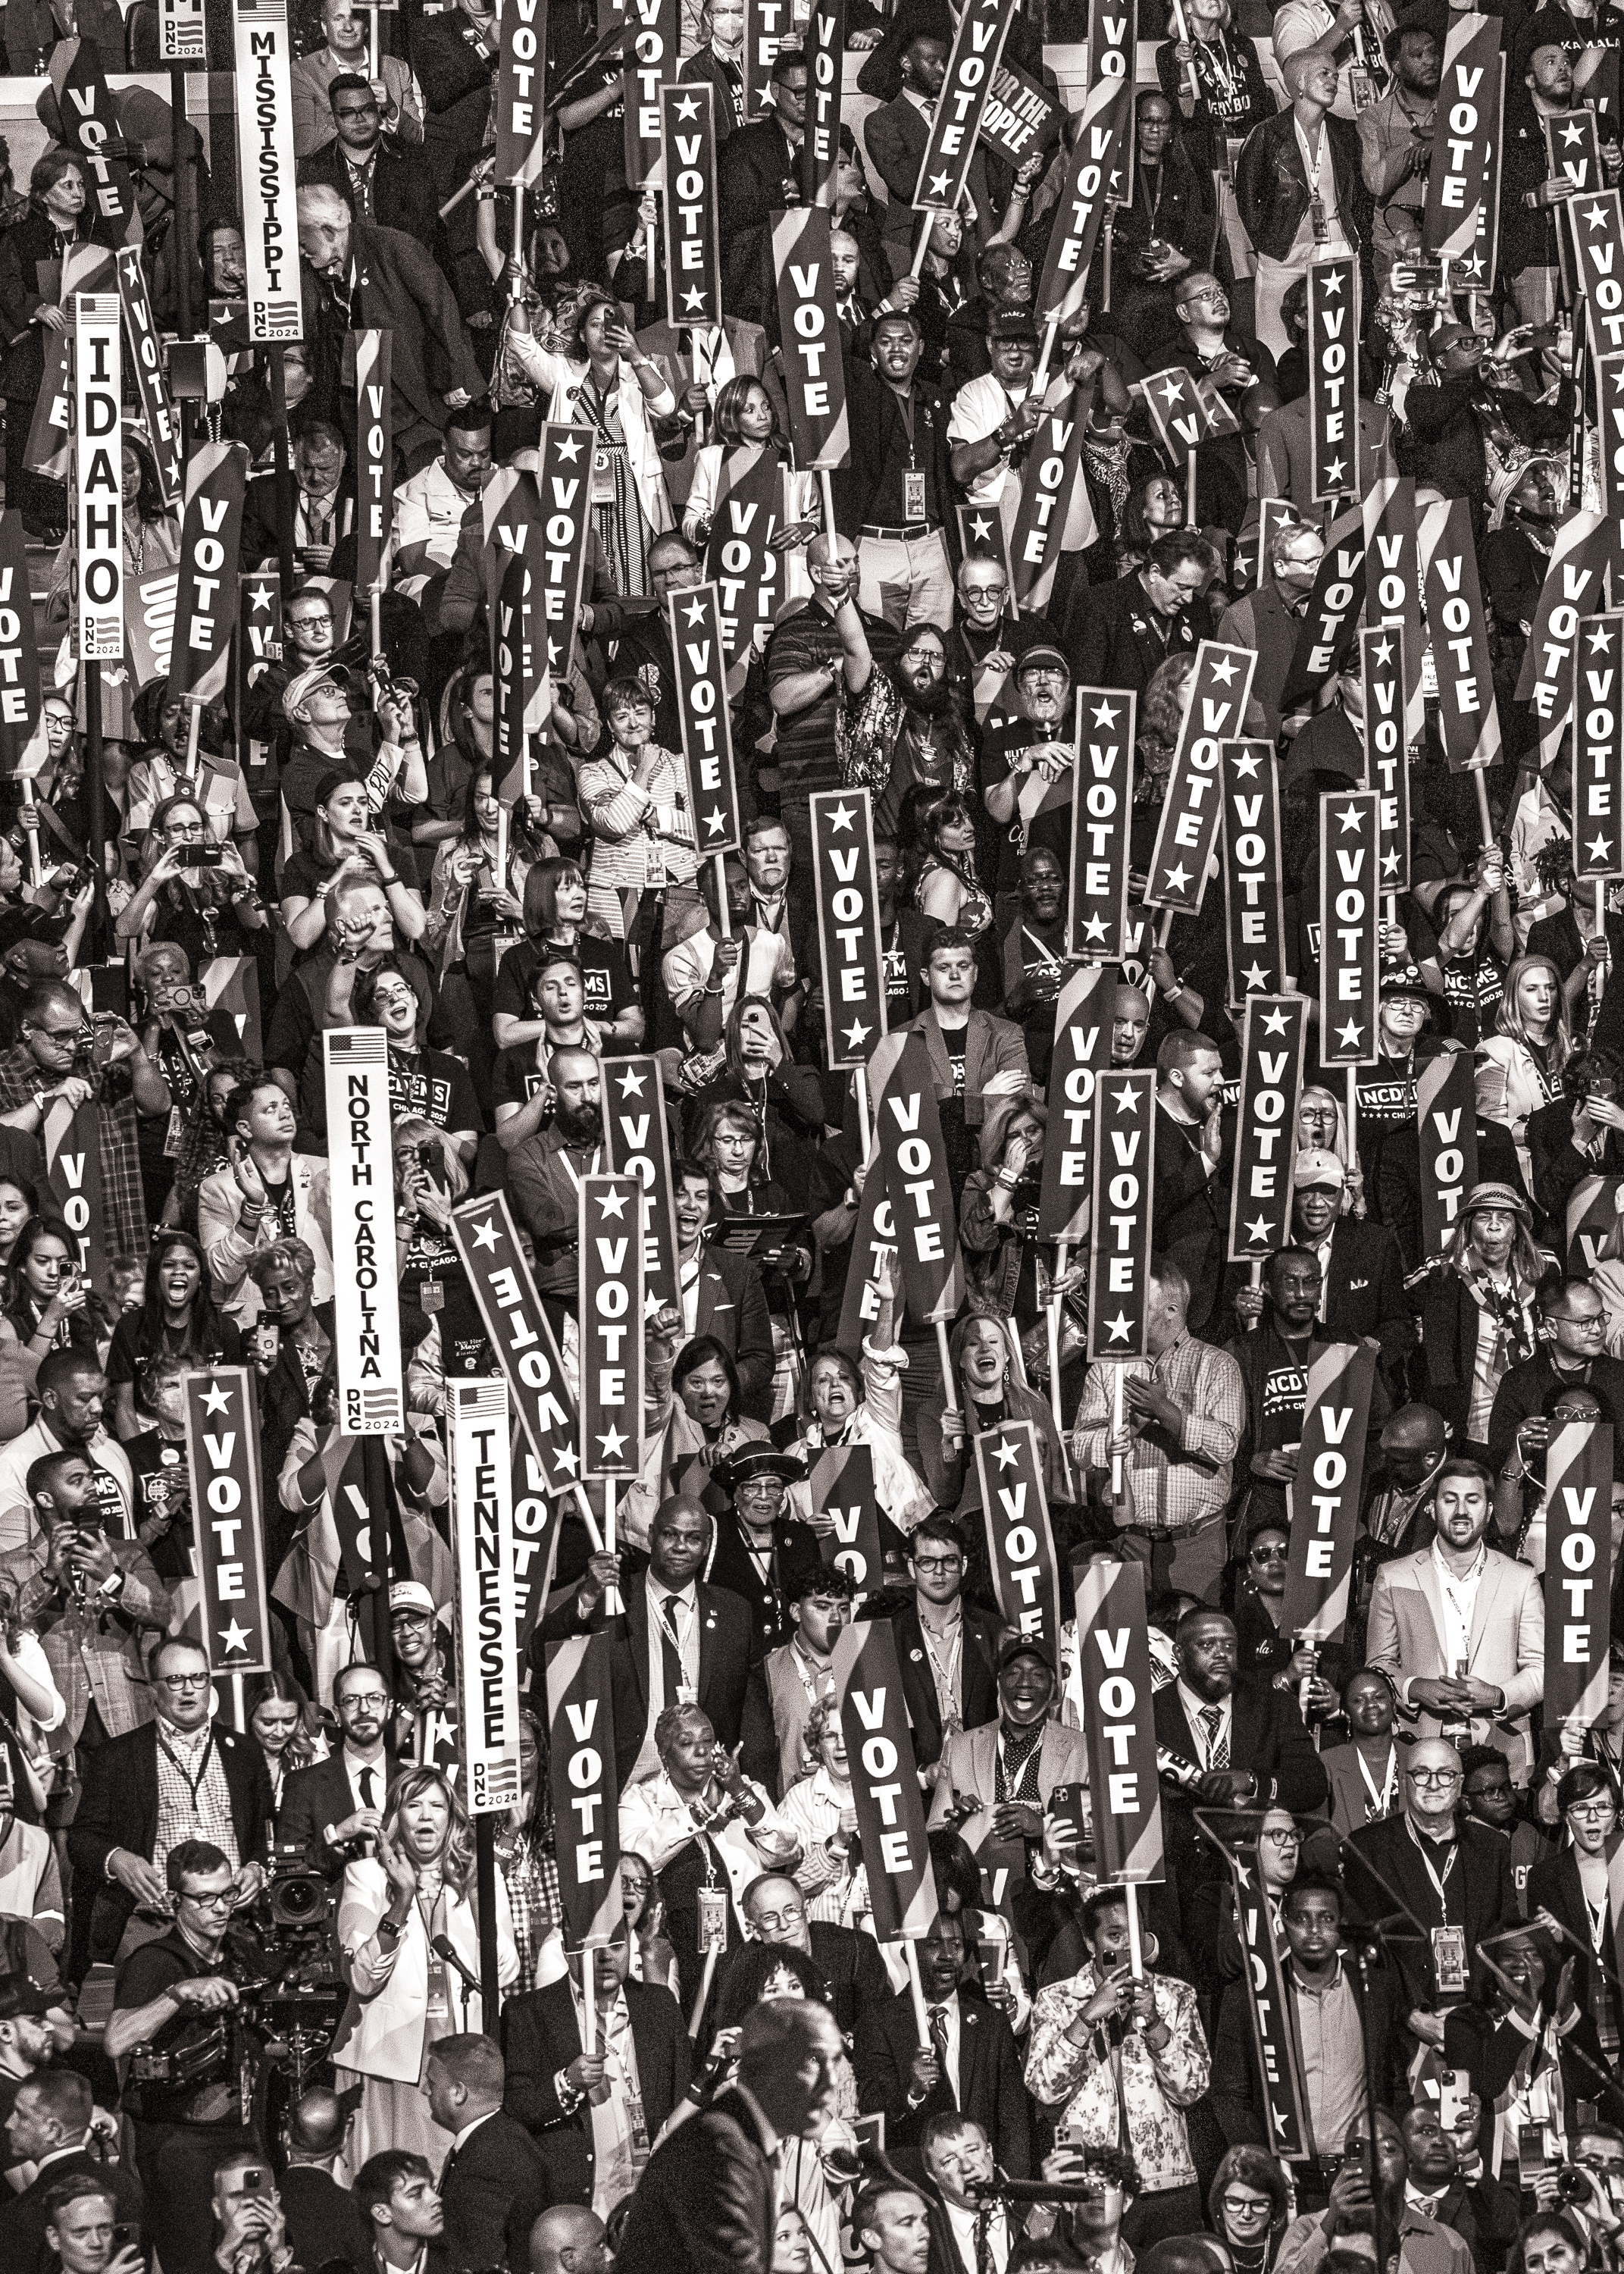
[(760, 1458), (1498, 1196)]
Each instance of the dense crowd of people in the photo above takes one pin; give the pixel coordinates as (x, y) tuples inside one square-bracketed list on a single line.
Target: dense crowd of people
[(743, 2076)]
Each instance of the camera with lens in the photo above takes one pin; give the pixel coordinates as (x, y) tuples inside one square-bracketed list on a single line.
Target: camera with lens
[(1575, 2185), (295, 1896)]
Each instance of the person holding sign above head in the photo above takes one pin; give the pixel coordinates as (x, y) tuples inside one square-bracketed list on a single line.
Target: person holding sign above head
[(843, 1404), (971, 2063), (1186, 1411), (1118, 2059)]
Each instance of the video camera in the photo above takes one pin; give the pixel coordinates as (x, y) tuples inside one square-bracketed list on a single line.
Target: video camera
[(295, 1896)]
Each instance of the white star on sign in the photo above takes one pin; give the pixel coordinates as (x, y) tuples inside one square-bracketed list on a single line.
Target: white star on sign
[(1104, 715), (631, 1082), (1350, 1035), (1006, 1455), (842, 816), (1351, 818), (855, 1036), (1389, 863), (216, 1400), (1224, 671), (1118, 1326), (980, 529), (1330, 281), (612, 1204), (1572, 133), (695, 612), (485, 1237), (1178, 879), (716, 821), (613, 1442), (569, 450), (693, 297), (1261, 1228), (1127, 1101), (1094, 928), (1599, 846), (1596, 217), (564, 1458), (688, 108), (1333, 472), (1383, 651), (1173, 391), (938, 182), (1274, 1021), (1601, 640), (261, 598), (1247, 764), (234, 1638), (1256, 978)]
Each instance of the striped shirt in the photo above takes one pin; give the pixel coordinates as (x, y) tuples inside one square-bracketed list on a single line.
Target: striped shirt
[(1173, 1488)]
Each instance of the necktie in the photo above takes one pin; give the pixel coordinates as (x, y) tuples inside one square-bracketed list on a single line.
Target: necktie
[(1217, 1747), (366, 1788), (938, 2045), (671, 1650)]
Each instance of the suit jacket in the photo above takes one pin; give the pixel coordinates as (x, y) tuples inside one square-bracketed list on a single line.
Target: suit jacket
[(990, 2085), (1405, 1638), (544, 2036), (1109, 635), (895, 137), (323, 2222), (992, 1046), (400, 288), (1554, 1886), (752, 166), (1191, 1208), (1237, 2087), (495, 2188), (876, 420), (402, 188), (119, 1806), (1284, 467), (707, 2201), (1266, 1736), (726, 1649), (1262, 620), (970, 1765), (1364, 1289), (23, 2220), (978, 1677), (1478, 1893), (734, 1570), (314, 1798)]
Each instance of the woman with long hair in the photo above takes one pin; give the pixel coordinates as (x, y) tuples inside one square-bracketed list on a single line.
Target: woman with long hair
[(1519, 1068), (1216, 80), (845, 1404), (725, 1139), (555, 915), (18, 1202), (1571, 1886), (946, 886), (1155, 504), (787, 1099), (988, 1395), (202, 1148), (285, 1726), (694, 1418), (391, 1909), (208, 907), (34, 259), (345, 844), (431, 1084), (474, 912), (747, 429), (618, 392), (151, 532), (1248, 2204), (1549, 2242), (50, 1308), (178, 1314), (1479, 1305), (524, 1853)]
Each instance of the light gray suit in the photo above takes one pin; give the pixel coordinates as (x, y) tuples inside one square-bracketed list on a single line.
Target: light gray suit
[(1405, 1638), (970, 1769)]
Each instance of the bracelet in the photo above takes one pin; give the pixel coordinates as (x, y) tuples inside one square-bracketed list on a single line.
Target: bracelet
[(1171, 994), (391, 878)]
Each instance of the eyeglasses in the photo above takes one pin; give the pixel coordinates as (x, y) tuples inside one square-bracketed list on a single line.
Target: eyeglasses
[(1592, 1808), (1269, 1556), (178, 1682), (938, 1564), (1433, 1776), (374, 1699), (310, 623), (1243, 2207), (790, 1916), (1282, 1839), (221, 1901)]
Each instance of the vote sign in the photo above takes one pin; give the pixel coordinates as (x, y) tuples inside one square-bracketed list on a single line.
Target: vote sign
[(701, 659), (1598, 749), (1349, 927), (885, 1794), (1082, 1052), (586, 1798), (1578, 1571), (228, 1518), (1101, 819), (1020, 1545), (848, 925), (1323, 1500), (638, 1139), (1447, 1127), (1266, 1137), (1254, 891), (1119, 1730), (1214, 709), (910, 1131), (1119, 1252), (842, 1487), (611, 1326), (1383, 664)]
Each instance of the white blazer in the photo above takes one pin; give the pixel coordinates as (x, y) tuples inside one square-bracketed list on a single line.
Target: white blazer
[(382, 2031), (1405, 1638), (220, 1213), (565, 379)]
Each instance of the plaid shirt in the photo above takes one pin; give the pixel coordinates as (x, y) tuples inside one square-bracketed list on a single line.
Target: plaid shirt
[(181, 1814), (123, 1204), (1173, 1486)]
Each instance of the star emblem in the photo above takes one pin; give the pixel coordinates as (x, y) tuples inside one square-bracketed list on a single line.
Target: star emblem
[(1596, 217), (216, 1399), (1006, 1456), (1094, 928), (485, 1237), (938, 182), (856, 1035), (1274, 1022), (613, 1443), (694, 299), (716, 821), (1119, 1327), (1256, 978), (1260, 1232), (1601, 640), (1600, 847), (234, 1638), (1383, 651), (842, 816), (612, 1204), (1351, 818), (1248, 763), (569, 451), (1573, 132), (1350, 1035), (1127, 1101), (1389, 863), (1174, 391), (1330, 280), (688, 107), (260, 598), (1104, 715), (695, 612), (980, 529), (1178, 879), (564, 1458), (1224, 671), (631, 1082), (1334, 471)]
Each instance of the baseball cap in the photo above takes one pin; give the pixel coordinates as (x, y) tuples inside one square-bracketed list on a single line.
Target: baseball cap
[(410, 1595), (1012, 324), (1041, 657), (1024, 1646), (303, 683), (1316, 1168)]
